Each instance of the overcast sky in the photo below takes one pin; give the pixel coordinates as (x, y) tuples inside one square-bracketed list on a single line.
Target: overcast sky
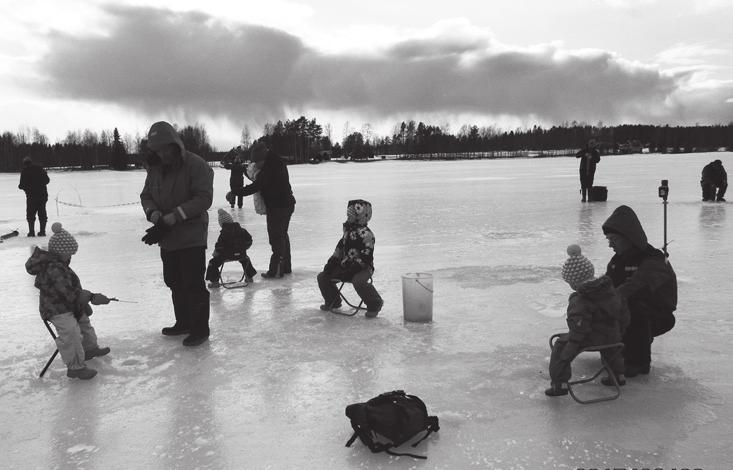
[(69, 65)]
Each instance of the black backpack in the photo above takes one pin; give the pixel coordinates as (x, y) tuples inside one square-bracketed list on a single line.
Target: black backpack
[(389, 420)]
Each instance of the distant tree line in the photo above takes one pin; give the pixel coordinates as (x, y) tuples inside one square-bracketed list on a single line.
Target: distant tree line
[(410, 138), (87, 149), (301, 140)]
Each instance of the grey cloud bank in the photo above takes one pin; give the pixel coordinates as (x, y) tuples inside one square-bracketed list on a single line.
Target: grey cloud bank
[(156, 60)]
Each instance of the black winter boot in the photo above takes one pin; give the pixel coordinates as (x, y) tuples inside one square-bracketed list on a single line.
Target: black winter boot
[(584, 191), (42, 229), (31, 229), (557, 390)]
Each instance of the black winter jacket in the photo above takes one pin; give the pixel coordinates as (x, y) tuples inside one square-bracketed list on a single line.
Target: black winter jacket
[(642, 275), (233, 239), (33, 180), (273, 182)]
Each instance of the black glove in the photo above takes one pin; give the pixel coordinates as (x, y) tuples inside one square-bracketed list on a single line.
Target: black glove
[(230, 198), (156, 233)]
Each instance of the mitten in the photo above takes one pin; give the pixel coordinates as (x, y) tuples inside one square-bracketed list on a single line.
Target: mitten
[(230, 197), (156, 233)]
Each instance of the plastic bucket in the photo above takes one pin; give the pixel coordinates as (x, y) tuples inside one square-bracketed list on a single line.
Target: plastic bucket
[(417, 297)]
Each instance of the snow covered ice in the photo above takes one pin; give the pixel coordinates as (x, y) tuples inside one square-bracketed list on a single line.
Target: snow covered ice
[(268, 391)]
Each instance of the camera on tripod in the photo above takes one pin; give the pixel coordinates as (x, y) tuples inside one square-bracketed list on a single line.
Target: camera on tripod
[(664, 190)]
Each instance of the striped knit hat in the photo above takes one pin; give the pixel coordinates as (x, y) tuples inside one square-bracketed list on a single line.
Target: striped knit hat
[(225, 217), (577, 269), (61, 242)]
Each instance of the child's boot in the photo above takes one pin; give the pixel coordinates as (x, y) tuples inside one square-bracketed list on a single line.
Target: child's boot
[(557, 389), (620, 378), (96, 352), (84, 374), (374, 310)]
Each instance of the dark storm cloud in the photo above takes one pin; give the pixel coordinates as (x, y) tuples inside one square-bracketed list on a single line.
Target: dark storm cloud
[(154, 60)]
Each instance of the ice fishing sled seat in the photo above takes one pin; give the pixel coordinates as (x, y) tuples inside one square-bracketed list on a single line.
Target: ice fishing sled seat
[(605, 366), (356, 308), (53, 356), (232, 283)]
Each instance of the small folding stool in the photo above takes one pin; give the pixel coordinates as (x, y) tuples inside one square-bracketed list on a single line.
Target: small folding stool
[(605, 366), (53, 356), (233, 284), (357, 308)]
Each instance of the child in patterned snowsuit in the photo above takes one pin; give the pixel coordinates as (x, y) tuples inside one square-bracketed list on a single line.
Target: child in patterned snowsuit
[(64, 303), (352, 261), (596, 315)]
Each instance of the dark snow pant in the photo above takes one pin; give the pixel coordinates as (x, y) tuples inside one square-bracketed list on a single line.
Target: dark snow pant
[(560, 370), (36, 205), (239, 200), (640, 334), (586, 181), (278, 221), (709, 189), (212, 271), (183, 273), (360, 281)]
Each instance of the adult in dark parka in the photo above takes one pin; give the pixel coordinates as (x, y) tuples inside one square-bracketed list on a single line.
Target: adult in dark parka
[(33, 180), (589, 156), (714, 177), (644, 278), (273, 183)]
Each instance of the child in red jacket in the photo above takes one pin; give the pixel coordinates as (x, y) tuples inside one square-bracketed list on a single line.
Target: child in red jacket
[(596, 316), (232, 244)]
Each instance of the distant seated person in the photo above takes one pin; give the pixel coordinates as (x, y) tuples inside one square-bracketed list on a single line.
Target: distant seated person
[(596, 316), (352, 261), (714, 178), (232, 245)]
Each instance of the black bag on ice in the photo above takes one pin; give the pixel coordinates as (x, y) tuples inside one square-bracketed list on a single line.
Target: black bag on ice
[(389, 420), (598, 193)]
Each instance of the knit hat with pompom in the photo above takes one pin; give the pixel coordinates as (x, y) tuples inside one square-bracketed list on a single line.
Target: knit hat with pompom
[(577, 269), (61, 242), (225, 218)]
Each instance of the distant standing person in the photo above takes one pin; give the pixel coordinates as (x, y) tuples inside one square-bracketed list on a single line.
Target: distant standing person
[(236, 178), (714, 178), (645, 280), (273, 182), (178, 190), (33, 180), (589, 156)]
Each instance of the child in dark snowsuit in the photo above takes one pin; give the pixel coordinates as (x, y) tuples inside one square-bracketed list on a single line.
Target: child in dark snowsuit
[(232, 244), (352, 261), (596, 316), (65, 304)]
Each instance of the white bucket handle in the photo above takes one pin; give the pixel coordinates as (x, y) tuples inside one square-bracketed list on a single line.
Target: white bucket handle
[(424, 286)]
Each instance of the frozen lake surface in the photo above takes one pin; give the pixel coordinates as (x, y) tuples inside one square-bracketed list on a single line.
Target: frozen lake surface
[(268, 391)]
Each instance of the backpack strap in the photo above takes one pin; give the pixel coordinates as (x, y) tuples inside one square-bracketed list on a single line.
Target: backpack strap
[(352, 439), (405, 454), (432, 427)]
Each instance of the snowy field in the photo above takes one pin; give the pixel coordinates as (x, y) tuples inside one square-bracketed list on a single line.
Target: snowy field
[(268, 391)]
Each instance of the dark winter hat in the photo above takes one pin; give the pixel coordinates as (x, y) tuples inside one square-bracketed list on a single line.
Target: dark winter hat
[(225, 217), (577, 269), (61, 242), (258, 152)]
